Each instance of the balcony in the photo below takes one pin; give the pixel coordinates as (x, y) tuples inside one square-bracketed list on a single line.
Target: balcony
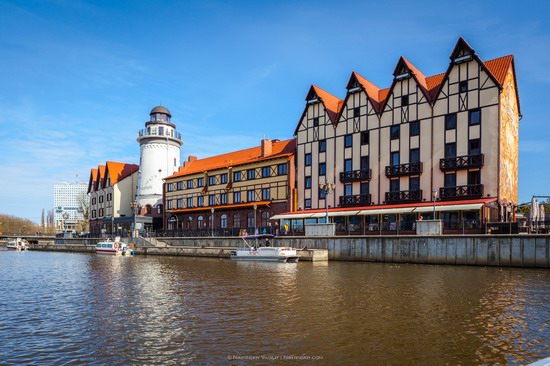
[(404, 196), (355, 175), (404, 169), (461, 162), (459, 192), (355, 200)]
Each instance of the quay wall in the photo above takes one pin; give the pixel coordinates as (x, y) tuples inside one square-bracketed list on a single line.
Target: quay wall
[(481, 250)]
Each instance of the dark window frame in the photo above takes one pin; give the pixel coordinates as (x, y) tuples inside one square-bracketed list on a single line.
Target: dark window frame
[(395, 132), (450, 121)]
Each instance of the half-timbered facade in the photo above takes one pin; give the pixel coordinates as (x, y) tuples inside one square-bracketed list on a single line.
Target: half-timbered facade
[(232, 192), (448, 138)]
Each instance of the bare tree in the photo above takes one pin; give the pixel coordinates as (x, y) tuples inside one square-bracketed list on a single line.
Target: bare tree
[(84, 208)]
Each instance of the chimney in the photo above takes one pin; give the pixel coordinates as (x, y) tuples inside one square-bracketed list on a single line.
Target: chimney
[(266, 147), (191, 158)]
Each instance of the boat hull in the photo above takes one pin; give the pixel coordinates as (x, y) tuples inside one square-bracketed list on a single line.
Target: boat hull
[(264, 259)]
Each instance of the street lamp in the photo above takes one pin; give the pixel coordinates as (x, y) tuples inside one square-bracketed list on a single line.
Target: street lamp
[(135, 206), (255, 208), (212, 220), (434, 198), (326, 189)]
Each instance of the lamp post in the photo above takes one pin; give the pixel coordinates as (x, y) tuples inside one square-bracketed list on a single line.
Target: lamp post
[(135, 206), (434, 198), (255, 208), (326, 189), (212, 220)]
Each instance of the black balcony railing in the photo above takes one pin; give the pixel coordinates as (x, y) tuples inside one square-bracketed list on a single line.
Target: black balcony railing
[(404, 196), (404, 169), (467, 191), (355, 175), (461, 162), (355, 200)]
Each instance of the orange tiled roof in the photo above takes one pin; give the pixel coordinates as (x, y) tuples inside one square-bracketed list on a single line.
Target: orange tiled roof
[(100, 176), (118, 171), (332, 104), (419, 75), (499, 67), (93, 178), (247, 156)]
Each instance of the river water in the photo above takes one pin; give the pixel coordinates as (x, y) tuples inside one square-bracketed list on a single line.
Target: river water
[(62, 308)]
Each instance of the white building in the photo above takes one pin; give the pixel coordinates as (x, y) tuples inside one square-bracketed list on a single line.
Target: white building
[(67, 198)]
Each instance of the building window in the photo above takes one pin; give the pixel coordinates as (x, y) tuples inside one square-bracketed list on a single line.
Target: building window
[(179, 203), (450, 121), (237, 176), (189, 184), (474, 117), (315, 121), (250, 220), (394, 132), (250, 196), (200, 201), (414, 156), (266, 194), (404, 100), (348, 140), (170, 188), (236, 197), (356, 112), (281, 169), (212, 180), (364, 137), (200, 220), (322, 168), (170, 204), (348, 189), (414, 128), (223, 221), (394, 185), (322, 194), (189, 202), (463, 86), (307, 182), (266, 172), (474, 177), (307, 158), (348, 165), (450, 180), (364, 163), (159, 209), (474, 147), (307, 203), (211, 200), (394, 158), (93, 214), (200, 182), (322, 146), (223, 198), (364, 188), (236, 221), (100, 199), (180, 185), (223, 178), (251, 174), (94, 201), (414, 183), (450, 150)]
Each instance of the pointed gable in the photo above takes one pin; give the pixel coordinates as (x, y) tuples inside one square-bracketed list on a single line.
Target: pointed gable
[(357, 82), (499, 67), (331, 103), (117, 171), (92, 180), (462, 52)]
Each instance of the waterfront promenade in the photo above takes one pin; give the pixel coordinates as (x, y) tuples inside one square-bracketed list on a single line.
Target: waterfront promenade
[(481, 250)]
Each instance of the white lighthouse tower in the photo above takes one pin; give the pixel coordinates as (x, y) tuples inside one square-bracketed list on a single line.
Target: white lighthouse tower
[(160, 145)]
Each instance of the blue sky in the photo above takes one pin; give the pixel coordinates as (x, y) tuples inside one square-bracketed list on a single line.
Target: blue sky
[(80, 77)]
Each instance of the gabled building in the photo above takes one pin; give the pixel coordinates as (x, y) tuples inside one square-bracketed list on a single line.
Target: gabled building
[(450, 137), (232, 192), (112, 188)]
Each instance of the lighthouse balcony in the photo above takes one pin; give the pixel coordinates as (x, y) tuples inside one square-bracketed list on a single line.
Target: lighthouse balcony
[(151, 132)]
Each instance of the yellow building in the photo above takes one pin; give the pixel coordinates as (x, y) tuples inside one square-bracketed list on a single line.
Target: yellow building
[(446, 143), (233, 192)]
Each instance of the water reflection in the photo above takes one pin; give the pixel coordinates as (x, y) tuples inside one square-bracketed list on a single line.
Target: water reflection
[(61, 307)]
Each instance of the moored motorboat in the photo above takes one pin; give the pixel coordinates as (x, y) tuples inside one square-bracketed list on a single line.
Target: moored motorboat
[(258, 248), (115, 247), (18, 244)]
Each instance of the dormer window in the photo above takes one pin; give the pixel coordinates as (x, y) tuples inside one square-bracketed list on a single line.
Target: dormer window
[(403, 76), (313, 101), (463, 58)]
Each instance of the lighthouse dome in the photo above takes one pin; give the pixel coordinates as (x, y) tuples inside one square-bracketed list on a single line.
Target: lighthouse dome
[(160, 109)]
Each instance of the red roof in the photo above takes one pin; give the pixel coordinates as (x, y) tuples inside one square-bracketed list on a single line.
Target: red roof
[(332, 104), (499, 67), (119, 171), (247, 156)]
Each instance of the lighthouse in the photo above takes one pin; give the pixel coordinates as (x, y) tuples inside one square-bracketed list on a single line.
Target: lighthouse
[(160, 146)]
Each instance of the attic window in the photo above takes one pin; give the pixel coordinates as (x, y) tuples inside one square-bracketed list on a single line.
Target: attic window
[(355, 89), (463, 86), (403, 76), (313, 101), (315, 121), (464, 58), (404, 100)]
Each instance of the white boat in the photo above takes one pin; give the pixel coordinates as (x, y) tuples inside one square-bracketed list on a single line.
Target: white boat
[(258, 248), (18, 244), (110, 247)]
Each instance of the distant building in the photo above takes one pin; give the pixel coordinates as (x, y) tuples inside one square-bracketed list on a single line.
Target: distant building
[(67, 204), (388, 152), (232, 192)]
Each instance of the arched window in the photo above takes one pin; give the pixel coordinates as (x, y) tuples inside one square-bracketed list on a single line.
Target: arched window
[(236, 221), (223, 221), (265, 219), (200, 222), (189, 222), (250, 220)]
